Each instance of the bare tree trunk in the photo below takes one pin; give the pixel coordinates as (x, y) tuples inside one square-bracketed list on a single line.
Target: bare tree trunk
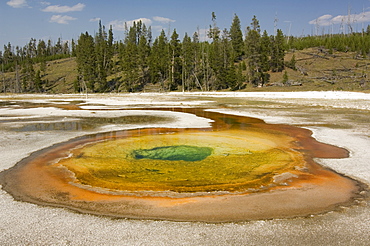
[(173, 68), (4, 87), (198, 83), (183, 77), (85, 86), (17, 88)]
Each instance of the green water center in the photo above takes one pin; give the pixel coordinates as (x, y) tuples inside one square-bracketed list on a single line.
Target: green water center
[(174, 153)]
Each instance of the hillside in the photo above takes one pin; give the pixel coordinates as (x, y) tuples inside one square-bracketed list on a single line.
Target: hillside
[(316, 69), (58, 78)]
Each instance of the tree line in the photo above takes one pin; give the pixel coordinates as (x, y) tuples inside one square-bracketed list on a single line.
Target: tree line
[(227, 60), (354, 42)]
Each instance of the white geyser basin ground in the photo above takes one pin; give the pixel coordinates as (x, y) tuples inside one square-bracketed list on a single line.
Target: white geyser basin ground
[(338, 118)]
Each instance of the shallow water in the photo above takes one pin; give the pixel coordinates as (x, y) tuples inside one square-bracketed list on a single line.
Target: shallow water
[(84, 123)]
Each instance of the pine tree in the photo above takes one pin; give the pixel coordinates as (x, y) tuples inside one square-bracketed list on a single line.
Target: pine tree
[(278, 52), (104, 54), (228, 77), (86, 61), (292, 63), (160, 60), (65, 50), (253, 52), (143, 57), (28, 75), (265, 52), (236, 37), (130, 60), (41, 49), (8, 55), (31, 49), (215, 56), (200, 74), (50, 48), (58, 48), (176, 69), (285, 78), (110, 49), (188, 61), (73, 47)]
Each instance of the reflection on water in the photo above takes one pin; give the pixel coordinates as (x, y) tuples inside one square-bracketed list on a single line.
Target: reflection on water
[(85, 123), (53, 126)]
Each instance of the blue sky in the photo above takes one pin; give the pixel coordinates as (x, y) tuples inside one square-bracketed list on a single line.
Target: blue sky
[(22, 20)]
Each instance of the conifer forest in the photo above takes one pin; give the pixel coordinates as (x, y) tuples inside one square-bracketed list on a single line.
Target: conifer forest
[(228, 59)]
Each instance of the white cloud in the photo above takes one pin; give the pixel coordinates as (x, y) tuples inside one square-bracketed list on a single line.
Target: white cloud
[(162, 19), (17, 3), (327, 20), (363, 17), (339, 19), (64, 9), (119, 25), (95, 19), (324, 20), (145, 21), (62, 19)]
